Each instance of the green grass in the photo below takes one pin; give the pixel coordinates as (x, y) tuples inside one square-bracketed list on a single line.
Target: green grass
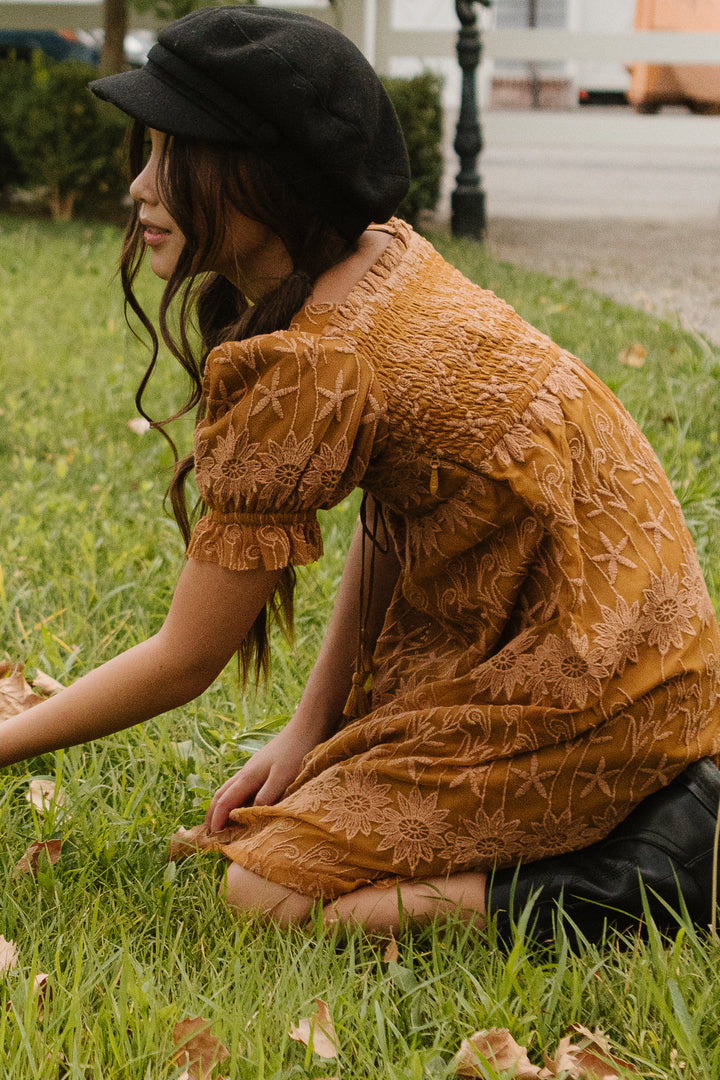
[(89, 560)]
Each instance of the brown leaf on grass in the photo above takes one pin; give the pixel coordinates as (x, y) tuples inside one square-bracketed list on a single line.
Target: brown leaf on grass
[(499, 1049), (317, 1031), (43, 992), (43, 793), (187, 842), (590, 1059), (391, 954), (633, 355), (16, 694), (46, 684), (41, 986), (28, 863), (197, 1049), (8, 954)]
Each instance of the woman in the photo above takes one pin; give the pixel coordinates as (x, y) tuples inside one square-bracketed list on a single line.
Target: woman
[(521, 593)]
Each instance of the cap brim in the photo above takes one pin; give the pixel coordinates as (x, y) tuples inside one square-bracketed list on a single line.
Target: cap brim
[(144, 97)]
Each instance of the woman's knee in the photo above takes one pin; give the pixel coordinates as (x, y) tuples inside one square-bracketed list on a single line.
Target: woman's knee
[(243, 891)]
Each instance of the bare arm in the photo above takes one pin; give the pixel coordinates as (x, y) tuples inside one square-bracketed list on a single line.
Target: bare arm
[(210, 614), (265, 777)]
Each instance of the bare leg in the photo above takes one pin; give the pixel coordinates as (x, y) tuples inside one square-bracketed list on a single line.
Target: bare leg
[(384, 909), (244, 891), (375, 908)]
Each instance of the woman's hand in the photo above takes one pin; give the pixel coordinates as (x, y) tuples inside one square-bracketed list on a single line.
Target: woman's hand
[(264, 779), (268, 774)]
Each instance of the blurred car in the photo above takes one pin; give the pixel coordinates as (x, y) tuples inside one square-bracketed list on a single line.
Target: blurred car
[(73, 45), (696, 86), (57, 44)]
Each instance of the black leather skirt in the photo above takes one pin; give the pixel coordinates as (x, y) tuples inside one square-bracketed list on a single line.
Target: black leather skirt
[(667, 843)]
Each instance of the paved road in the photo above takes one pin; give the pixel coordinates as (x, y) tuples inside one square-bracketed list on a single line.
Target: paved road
[(672, 268), (629, 215)]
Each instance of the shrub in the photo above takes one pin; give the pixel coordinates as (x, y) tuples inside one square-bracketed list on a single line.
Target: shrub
[(15, 77), (418, 103), (62, 137)]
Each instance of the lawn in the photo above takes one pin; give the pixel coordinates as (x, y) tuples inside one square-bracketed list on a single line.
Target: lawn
[(133, 944)]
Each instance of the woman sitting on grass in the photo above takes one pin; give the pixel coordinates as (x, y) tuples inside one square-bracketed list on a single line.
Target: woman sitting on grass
[(522, 648)]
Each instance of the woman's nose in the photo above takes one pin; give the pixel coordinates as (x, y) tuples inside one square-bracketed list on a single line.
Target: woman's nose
[(142, 188)]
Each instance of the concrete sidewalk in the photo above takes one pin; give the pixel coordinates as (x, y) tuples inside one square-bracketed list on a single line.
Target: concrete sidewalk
[(639, 222), (670, 268)]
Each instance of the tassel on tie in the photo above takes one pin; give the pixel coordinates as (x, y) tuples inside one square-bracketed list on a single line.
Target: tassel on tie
[(358, 702), (434, 476)]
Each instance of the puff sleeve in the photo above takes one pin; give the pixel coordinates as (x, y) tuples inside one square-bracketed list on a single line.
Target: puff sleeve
[(289, 428)]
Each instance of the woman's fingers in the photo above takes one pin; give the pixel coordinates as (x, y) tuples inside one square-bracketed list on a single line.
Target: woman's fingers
[(237, 791), (262, 781), (274, 787)]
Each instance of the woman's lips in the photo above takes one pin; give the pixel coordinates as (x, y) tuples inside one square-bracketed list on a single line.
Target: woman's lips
[(153, 235)]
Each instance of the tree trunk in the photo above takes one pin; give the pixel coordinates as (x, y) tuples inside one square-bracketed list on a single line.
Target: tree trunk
[(112, 58), (61, 206)]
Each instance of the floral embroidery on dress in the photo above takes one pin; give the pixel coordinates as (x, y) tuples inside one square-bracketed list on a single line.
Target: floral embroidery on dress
[(488, 835), (620, 634), (413, 830), (565, 669), (354, 804), (506, 669), (668, 611), (229, 467)]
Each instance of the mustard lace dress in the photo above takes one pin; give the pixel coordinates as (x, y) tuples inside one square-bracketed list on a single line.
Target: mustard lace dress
[(550, 654)]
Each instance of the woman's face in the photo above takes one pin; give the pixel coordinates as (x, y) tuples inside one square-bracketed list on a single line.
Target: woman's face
[(161, 234), (250, 254)]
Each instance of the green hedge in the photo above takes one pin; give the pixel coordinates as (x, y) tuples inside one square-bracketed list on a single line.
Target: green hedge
[(418, 103), (55, 136), (61, 139), (15, 78)]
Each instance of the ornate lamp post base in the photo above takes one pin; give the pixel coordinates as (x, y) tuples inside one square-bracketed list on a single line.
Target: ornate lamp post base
[(468, 218), (468, 199)]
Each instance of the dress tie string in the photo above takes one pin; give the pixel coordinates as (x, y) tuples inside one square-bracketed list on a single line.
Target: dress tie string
[(358, 702)]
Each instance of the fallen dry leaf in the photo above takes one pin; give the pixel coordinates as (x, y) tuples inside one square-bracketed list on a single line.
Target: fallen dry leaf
[(42, 794), (391, 953), (317, 1031), (633, 355), (43, 992), (197, 1049), (28, 863), (139, 425), (187, 842), (8, 954), (589, 1060), (47, 684), (16, 694), (499, 1049)]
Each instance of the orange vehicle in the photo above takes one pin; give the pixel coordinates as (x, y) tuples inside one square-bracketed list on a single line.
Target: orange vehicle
[(694, 85)]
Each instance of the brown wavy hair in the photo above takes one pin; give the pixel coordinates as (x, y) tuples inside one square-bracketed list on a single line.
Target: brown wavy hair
[(202, 185)]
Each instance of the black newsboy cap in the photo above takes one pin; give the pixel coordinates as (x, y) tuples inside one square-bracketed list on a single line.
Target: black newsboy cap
[(287, 86)]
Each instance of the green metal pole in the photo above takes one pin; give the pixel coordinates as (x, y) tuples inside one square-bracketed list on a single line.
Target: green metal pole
[(468, 198)]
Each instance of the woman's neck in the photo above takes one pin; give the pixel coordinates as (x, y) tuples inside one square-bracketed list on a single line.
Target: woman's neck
[(334, 285)]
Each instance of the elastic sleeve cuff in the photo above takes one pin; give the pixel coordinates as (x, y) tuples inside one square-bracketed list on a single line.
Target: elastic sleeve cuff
[(255, 541)]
